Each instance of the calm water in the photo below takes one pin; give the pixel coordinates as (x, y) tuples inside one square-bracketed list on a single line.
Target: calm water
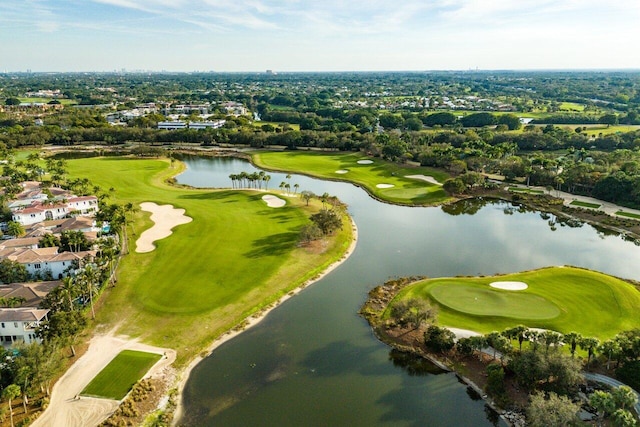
[(315, 362)]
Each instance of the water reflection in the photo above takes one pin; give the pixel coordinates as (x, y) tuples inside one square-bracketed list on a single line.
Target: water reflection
[(317, 362)]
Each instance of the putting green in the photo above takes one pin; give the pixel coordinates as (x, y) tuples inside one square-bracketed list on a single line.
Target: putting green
[(563, 299), (489, 302)]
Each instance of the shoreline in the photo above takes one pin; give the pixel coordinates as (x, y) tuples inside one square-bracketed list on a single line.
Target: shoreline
[(251, 321)]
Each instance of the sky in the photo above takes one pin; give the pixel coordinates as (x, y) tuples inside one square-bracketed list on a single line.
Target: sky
[(318, 35)]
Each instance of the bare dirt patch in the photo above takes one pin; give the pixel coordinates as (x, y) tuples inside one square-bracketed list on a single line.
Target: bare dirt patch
[(165, 218)]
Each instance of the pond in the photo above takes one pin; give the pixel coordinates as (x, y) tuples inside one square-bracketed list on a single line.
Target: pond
[(315, 362)]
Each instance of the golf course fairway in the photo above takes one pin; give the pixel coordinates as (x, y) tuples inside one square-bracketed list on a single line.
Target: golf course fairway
[(236, 257), (384, 180)]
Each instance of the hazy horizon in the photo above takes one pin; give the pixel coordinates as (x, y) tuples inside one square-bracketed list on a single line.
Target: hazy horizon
[(329, 36)]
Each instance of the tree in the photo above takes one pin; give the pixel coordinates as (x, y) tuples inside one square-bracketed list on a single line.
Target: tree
[(623, 418), (307, 195), (63, 325), (439, 339), (412, 312), (9, 393), (608, 119), (15, 229), (510, 120), (440, 119), (624, 397), (74, 241), (478, 120), (454, 186), (327, 221), (552, 411), (603, 403), (517, 332), (495, 380), (590, 345), (572, 338), (12, 271), (310, 232), (610, 348), (12, 101), (48, 241)]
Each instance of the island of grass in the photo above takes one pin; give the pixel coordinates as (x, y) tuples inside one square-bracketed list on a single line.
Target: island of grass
[(582, 204), (119, 376), (384, 180), (562, 299), (237, 257)]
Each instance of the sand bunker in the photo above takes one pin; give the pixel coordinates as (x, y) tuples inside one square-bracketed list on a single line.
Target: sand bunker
[(365, 162), (342, 171), (165, 218), (509, 286), (273, 201), (429, 179), (385, 185)]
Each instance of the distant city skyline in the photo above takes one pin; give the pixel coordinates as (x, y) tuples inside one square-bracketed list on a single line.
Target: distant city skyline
[(329, 35)]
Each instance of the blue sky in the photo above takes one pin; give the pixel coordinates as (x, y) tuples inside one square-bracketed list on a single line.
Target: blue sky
[(317, 35)]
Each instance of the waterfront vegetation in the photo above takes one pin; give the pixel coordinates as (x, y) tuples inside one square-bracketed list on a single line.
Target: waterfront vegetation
[(117, 378), (401, 189), (213, 272), (562, 299)]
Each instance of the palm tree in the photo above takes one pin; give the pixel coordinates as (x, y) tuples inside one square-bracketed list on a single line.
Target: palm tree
[(609, 347), (296, 186), (288, 187), (589, 344), (517, 332), (572, 338), (90, 277), (266, 179), (68, 289), (9, 393)]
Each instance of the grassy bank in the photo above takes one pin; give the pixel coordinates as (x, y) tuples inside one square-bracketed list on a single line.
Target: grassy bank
[(395, 187), (236, 257), (563, 299)]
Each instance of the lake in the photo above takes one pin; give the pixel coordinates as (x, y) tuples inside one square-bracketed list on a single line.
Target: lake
[(314, 362)]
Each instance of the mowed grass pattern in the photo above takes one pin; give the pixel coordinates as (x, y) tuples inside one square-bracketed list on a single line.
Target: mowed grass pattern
[(120, 375), (236, 256), (404, 191), (589, 302), (493, 302)]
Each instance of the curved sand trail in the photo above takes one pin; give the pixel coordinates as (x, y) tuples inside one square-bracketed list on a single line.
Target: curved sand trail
[(429, 179), (65, 410), (165, 218)]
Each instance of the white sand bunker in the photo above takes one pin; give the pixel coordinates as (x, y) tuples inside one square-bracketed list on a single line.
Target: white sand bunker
[(385, 185), (165, 217), (273, 201), (429, 179), (341, 171), (509, 286), (365, 162)]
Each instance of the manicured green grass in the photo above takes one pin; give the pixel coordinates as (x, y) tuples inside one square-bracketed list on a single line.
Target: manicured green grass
[(563, 299), (571, 107), (120, 375), (489, 301), (236, 256), (325, 165), (628, 214), (525, 190), (585, 204)]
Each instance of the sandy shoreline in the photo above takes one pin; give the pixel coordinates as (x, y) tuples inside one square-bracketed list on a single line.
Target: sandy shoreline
[(254, 320)]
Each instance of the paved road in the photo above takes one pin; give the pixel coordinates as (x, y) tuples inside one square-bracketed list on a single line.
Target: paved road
[(610, 382)]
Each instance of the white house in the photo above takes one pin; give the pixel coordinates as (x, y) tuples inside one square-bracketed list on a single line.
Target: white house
[(217, 124), (42, 261), (83, 205), (172, 125), (19, 324), (38, 212)]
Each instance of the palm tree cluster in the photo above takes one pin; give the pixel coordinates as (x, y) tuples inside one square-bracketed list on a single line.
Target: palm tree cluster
[(250, 180)]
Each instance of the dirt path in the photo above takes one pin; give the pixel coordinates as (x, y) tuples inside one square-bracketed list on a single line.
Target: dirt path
[(67, 410)]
